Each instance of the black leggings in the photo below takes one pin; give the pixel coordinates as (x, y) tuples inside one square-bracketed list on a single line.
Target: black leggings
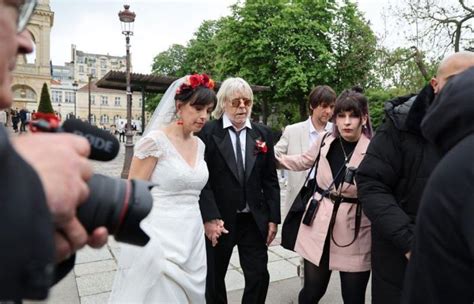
[(316, 280)]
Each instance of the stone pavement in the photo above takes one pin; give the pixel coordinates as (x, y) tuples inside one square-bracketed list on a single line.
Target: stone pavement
[(92, 278)]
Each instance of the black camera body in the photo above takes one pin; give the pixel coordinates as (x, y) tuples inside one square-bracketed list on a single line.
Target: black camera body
[(117, 204), (350, 175)]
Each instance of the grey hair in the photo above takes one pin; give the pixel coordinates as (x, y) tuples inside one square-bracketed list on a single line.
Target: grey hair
[(231, 87)]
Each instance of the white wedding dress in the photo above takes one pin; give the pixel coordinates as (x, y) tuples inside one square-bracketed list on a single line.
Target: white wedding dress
[(171, 268)]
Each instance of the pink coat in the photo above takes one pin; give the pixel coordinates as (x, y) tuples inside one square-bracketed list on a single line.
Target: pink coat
[(310, 240)]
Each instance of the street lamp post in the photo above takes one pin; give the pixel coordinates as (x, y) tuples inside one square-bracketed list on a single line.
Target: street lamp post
[(89, 119), (127, 18), (75, 85)]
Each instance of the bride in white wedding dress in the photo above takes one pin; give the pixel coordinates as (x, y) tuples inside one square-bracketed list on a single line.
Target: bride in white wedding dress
[(171, 268)]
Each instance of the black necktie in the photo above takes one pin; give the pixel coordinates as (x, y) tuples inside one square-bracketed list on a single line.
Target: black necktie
[(240, 166)]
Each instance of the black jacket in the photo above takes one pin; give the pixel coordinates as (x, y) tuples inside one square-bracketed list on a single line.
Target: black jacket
[(441, 269), (221, 196), (26, 229), (390, 182)]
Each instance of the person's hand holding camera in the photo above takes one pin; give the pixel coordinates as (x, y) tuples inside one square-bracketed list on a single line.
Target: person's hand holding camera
[(61, 163)]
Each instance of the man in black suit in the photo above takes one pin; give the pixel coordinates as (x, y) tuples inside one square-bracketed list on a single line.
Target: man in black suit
[(242, 192)]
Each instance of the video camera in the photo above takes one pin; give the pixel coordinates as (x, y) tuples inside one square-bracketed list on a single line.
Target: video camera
[(118, 204)]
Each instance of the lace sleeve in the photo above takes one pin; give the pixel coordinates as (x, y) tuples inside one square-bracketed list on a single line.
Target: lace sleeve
[(147, 147)]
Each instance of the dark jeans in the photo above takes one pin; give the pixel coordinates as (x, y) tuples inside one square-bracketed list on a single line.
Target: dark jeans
[(316, 280)]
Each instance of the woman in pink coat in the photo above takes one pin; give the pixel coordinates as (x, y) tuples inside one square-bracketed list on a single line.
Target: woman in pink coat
[(337, 236)]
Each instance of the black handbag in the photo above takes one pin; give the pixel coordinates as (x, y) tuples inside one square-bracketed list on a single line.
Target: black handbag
[(291, 225)]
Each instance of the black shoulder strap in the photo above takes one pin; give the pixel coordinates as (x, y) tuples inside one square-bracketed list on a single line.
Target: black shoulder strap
[(316, 162)]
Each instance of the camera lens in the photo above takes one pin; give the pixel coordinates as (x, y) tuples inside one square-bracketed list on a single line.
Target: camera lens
[(119, 205)]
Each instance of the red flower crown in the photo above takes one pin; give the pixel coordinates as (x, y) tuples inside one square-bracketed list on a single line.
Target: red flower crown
[(195, 80)]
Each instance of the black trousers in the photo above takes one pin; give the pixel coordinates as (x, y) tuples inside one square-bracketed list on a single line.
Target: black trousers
[(388, 272), (316, 280), (253, 260)]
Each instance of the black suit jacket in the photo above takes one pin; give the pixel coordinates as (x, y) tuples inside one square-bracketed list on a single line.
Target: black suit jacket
[(221, 196)]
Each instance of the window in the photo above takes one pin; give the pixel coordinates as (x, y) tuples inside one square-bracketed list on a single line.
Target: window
[(103, 63), (81, 69), (104, 119), (93, 120), (93, 71), (117, 101), (104, 100), (93, 99), (69, 97), (103, 72), (57, 96)]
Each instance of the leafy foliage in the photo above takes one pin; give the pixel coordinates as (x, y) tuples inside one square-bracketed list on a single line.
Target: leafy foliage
[(171, 62), (290, 46), (377, 99)]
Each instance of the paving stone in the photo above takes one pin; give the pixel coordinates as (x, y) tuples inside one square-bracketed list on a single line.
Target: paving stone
[(100, 298), (234, 280), (273, 257), (234, 259), (115, 253), (95, 283), (287, 254), (280, 270), (95, 267), (295, 261), (88, 254)]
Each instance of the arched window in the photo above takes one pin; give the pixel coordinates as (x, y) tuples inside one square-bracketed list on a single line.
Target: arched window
[(24, 93)]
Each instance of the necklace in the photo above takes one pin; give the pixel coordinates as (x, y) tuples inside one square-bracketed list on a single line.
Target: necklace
[(346, 157)]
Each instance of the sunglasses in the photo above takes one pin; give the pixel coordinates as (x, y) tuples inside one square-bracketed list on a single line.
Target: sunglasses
[(25, 11), (236, 102)]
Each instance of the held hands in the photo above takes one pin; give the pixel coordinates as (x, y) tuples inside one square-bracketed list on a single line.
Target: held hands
[(272, 231), (408, 255), (214, 230), (61, 162)]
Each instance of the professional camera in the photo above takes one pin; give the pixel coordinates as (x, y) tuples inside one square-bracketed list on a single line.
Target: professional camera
[(118, 204)]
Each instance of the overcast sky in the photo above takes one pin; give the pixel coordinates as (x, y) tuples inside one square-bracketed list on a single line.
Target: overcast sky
[(95, 28)]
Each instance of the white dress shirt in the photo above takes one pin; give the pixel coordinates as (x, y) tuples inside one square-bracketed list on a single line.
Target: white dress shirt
[(226, 123)]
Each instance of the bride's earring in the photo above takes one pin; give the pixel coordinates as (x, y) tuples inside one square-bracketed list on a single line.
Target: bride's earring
[(179, 121)]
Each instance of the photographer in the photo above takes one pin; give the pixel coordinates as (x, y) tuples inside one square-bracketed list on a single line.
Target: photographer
[(42, 182)]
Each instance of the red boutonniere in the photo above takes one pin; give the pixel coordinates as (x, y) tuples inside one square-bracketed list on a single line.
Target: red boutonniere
[(261, 147)]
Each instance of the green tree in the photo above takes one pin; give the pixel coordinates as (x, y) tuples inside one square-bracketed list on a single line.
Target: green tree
[(171, 62), (403, 68), (354, 46), (45, 105), (283, 45), (201, 50), (377, 98)]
